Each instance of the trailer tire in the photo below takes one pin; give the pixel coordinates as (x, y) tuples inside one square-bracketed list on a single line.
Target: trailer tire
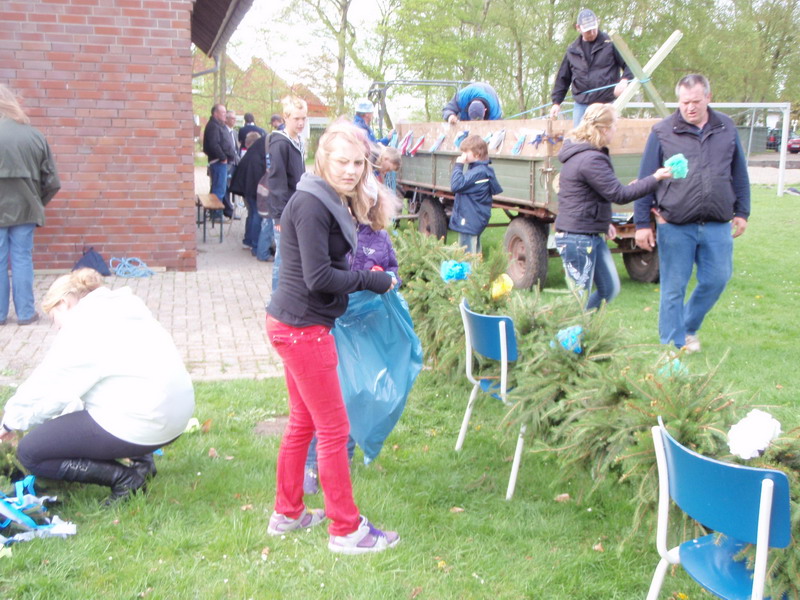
[(526, 245), (432, 218), (642, 266)]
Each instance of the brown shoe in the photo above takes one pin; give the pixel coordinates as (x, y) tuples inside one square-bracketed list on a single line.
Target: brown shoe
[(33, 319)]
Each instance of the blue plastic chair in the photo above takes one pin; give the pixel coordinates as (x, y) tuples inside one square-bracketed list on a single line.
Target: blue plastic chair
[(746, 504), (491, 337)]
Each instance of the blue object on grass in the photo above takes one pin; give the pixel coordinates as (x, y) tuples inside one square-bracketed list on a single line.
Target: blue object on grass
[(380, 357), (570, 339), (452, 270)]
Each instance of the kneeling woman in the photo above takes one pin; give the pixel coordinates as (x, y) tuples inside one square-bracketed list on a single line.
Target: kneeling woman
[(588, 187), (111, 386)]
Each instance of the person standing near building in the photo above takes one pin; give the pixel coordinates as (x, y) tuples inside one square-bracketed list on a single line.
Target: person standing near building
[(697, 217), (287, 164), (28, 181), (219, 149), (276, 122), (591, 62), (249, 126), (229, 202)]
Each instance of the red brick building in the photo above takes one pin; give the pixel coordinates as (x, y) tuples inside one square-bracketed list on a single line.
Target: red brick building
[(109, 83)]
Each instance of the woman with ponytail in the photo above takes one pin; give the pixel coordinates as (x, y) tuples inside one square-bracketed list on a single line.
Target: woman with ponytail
[(587, 189)]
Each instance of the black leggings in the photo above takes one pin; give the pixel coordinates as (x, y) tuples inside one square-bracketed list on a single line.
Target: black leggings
[(74, 435)]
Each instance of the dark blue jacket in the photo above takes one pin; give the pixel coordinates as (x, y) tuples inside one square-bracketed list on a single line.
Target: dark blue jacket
[(474, 91), (587, 185), (360, 122), (717, 187), (247, 129), (583, 75), (474, 191)]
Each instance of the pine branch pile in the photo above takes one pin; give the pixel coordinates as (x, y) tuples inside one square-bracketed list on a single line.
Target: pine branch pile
[(592, 410)]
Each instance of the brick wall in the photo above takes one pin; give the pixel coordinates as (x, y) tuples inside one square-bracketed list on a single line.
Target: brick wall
[(108, 82)]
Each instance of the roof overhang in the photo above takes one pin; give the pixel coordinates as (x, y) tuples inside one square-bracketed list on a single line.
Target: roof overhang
[(214, 21)]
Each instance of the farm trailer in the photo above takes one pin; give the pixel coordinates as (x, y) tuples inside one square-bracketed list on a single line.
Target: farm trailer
[(530, 187)]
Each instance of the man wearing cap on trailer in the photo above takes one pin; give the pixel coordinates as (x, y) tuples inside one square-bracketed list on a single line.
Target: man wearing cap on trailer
[(476, 102), (363, 118), (591, 62)]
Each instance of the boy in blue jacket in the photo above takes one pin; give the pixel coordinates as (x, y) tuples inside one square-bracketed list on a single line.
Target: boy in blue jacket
[(474, 190)]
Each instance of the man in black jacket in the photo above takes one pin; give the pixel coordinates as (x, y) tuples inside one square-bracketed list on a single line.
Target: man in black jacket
[(591, 62), (699, 215), (286, 165), (218, 147)]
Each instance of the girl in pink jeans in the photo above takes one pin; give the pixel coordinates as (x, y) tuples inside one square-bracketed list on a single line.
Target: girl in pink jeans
[(318, 231)]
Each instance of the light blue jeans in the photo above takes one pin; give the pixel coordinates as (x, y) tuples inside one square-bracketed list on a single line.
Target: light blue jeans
[(578, 110), (16, 244), (680, 247), (470, 243), (276, 265), (588, 260)]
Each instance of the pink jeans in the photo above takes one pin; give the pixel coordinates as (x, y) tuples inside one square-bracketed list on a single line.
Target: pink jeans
[(315, 404)]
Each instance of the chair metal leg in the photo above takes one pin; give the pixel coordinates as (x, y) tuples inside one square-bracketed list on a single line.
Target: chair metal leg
[(658, 579), (512, 480), (465, 423)]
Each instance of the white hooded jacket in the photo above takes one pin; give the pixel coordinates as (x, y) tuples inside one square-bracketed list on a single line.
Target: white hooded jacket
[(113, 359)]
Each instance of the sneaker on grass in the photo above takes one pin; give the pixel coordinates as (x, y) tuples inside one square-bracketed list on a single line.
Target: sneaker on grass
[(692, 344), (280, 524), (364, 539)]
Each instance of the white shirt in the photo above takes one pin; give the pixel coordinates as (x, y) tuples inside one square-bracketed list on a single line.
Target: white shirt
[(113, 359)]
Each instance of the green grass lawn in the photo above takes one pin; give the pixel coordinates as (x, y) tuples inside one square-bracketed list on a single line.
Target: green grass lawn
[(200, 532)]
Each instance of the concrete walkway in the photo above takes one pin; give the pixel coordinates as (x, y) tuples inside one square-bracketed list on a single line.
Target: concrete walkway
[(215, 315)]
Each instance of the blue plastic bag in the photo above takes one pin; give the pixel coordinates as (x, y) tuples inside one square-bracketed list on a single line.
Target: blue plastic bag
[(380, 357)]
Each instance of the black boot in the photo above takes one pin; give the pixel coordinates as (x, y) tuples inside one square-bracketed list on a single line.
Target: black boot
[(145, 465), (122, 480)]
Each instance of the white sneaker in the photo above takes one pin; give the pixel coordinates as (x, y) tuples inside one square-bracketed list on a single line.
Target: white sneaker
[(692, 344), (363, 540)]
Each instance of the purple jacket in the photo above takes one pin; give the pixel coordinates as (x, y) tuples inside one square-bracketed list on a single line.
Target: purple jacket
[(374, 248)]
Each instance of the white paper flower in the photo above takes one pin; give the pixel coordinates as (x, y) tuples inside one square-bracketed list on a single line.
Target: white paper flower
[(753, 434)]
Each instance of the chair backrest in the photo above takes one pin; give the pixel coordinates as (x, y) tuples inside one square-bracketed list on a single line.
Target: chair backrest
[(723, 496), (484, 333)]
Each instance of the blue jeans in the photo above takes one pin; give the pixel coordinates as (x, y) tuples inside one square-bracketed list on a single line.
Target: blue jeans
[(470, 243), (16, 243), (588, 260), (266, 236), (219, 179), (680, 247), (311, 457), (577, 113), (277, 264), (252, 224)]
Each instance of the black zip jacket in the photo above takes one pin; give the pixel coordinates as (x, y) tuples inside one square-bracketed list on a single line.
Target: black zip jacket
[(317, 235)]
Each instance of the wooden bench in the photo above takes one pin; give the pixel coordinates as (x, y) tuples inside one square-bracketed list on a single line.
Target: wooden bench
[(206, 205)]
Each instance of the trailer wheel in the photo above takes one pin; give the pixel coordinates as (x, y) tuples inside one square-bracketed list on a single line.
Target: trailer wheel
[(432, 218), (642, 266), (526, 245)]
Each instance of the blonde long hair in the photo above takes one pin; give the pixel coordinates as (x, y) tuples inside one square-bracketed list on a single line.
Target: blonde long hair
[(10, 108), (365, 201), (596, 121), (76, 284)]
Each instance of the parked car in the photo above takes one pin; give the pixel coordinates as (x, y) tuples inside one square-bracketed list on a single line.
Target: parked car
[(793, 145), (774, 139)]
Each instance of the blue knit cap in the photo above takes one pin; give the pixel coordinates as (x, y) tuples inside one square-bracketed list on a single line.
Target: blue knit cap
[(476, 110)]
